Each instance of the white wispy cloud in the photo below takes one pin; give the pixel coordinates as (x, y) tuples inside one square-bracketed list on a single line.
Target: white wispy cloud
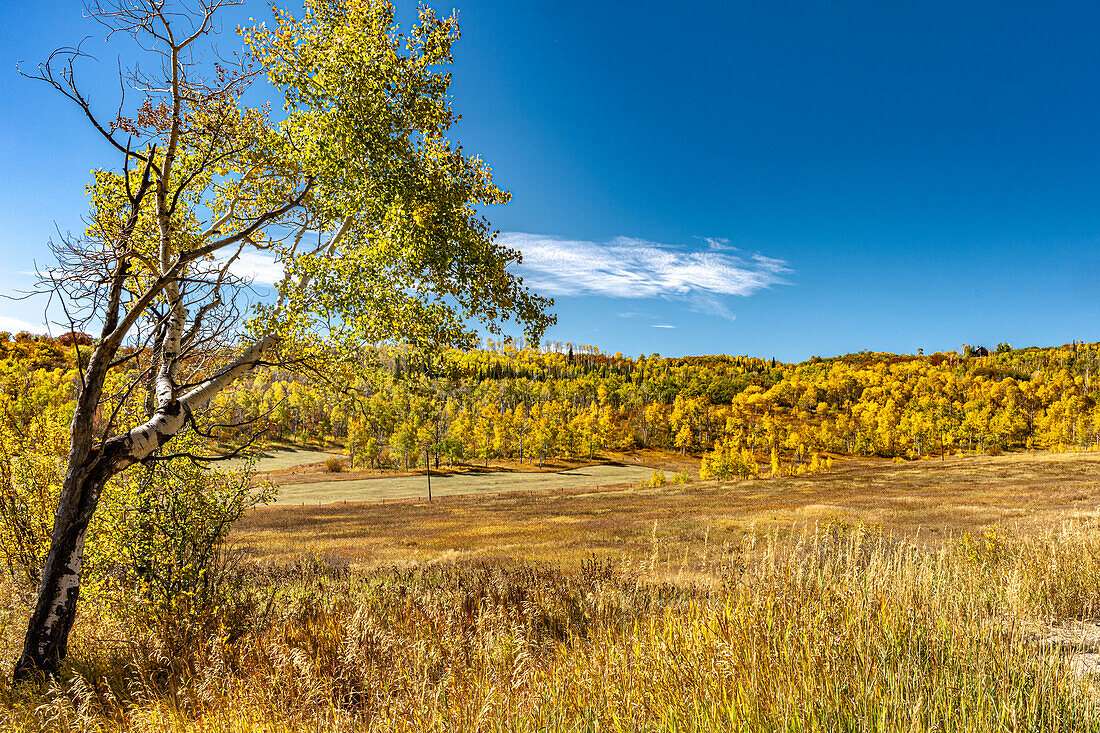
[(621, 268), (661, 325), (635, 268), (259, 267), (15, 325), (710, 303), (721, 244)]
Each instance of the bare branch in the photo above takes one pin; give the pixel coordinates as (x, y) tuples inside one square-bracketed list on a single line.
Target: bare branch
[(65, 82)]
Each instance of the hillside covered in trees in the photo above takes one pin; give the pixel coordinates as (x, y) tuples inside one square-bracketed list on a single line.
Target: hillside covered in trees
[(746, 414)]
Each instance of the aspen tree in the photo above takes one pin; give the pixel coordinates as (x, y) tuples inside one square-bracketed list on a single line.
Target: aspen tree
[(357, 191)]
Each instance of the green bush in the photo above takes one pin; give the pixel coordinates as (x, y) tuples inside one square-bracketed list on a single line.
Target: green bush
[(30, 484), (156, 553), (162, 559)]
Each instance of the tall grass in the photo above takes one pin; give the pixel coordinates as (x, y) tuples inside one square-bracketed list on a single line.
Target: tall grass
[(833, 628)]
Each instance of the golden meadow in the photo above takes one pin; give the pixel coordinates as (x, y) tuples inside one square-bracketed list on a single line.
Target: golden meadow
[(831, 627)]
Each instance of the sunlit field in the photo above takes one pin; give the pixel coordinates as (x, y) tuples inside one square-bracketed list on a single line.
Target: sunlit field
[(925, 501), (328, 490), (942, 596)]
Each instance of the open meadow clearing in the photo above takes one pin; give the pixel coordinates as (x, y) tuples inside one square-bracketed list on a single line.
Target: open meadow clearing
[(473, 481), (928, 501), (280, 458)]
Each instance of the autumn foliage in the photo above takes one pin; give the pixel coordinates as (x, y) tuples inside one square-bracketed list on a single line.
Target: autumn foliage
[(746, 416)]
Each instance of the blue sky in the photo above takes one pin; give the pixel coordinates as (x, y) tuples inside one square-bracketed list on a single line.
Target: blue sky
[(771, 178)]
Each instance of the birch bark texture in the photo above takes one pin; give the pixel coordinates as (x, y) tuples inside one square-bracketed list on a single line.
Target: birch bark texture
[(355, 190)]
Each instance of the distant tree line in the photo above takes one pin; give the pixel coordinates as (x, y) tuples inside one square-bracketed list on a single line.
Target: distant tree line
[(527, 405)]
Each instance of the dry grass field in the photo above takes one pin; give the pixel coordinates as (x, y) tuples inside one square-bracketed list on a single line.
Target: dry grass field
[(956, 596), (927, 501)]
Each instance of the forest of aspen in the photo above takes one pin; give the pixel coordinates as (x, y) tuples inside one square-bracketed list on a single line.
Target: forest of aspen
[(744, 416)]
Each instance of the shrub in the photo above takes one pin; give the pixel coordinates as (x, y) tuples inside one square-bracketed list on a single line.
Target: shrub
[(74, 337), (681, 477), (334, 464), (655, 480), (156, 554), (162, 561), (30, 484)]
